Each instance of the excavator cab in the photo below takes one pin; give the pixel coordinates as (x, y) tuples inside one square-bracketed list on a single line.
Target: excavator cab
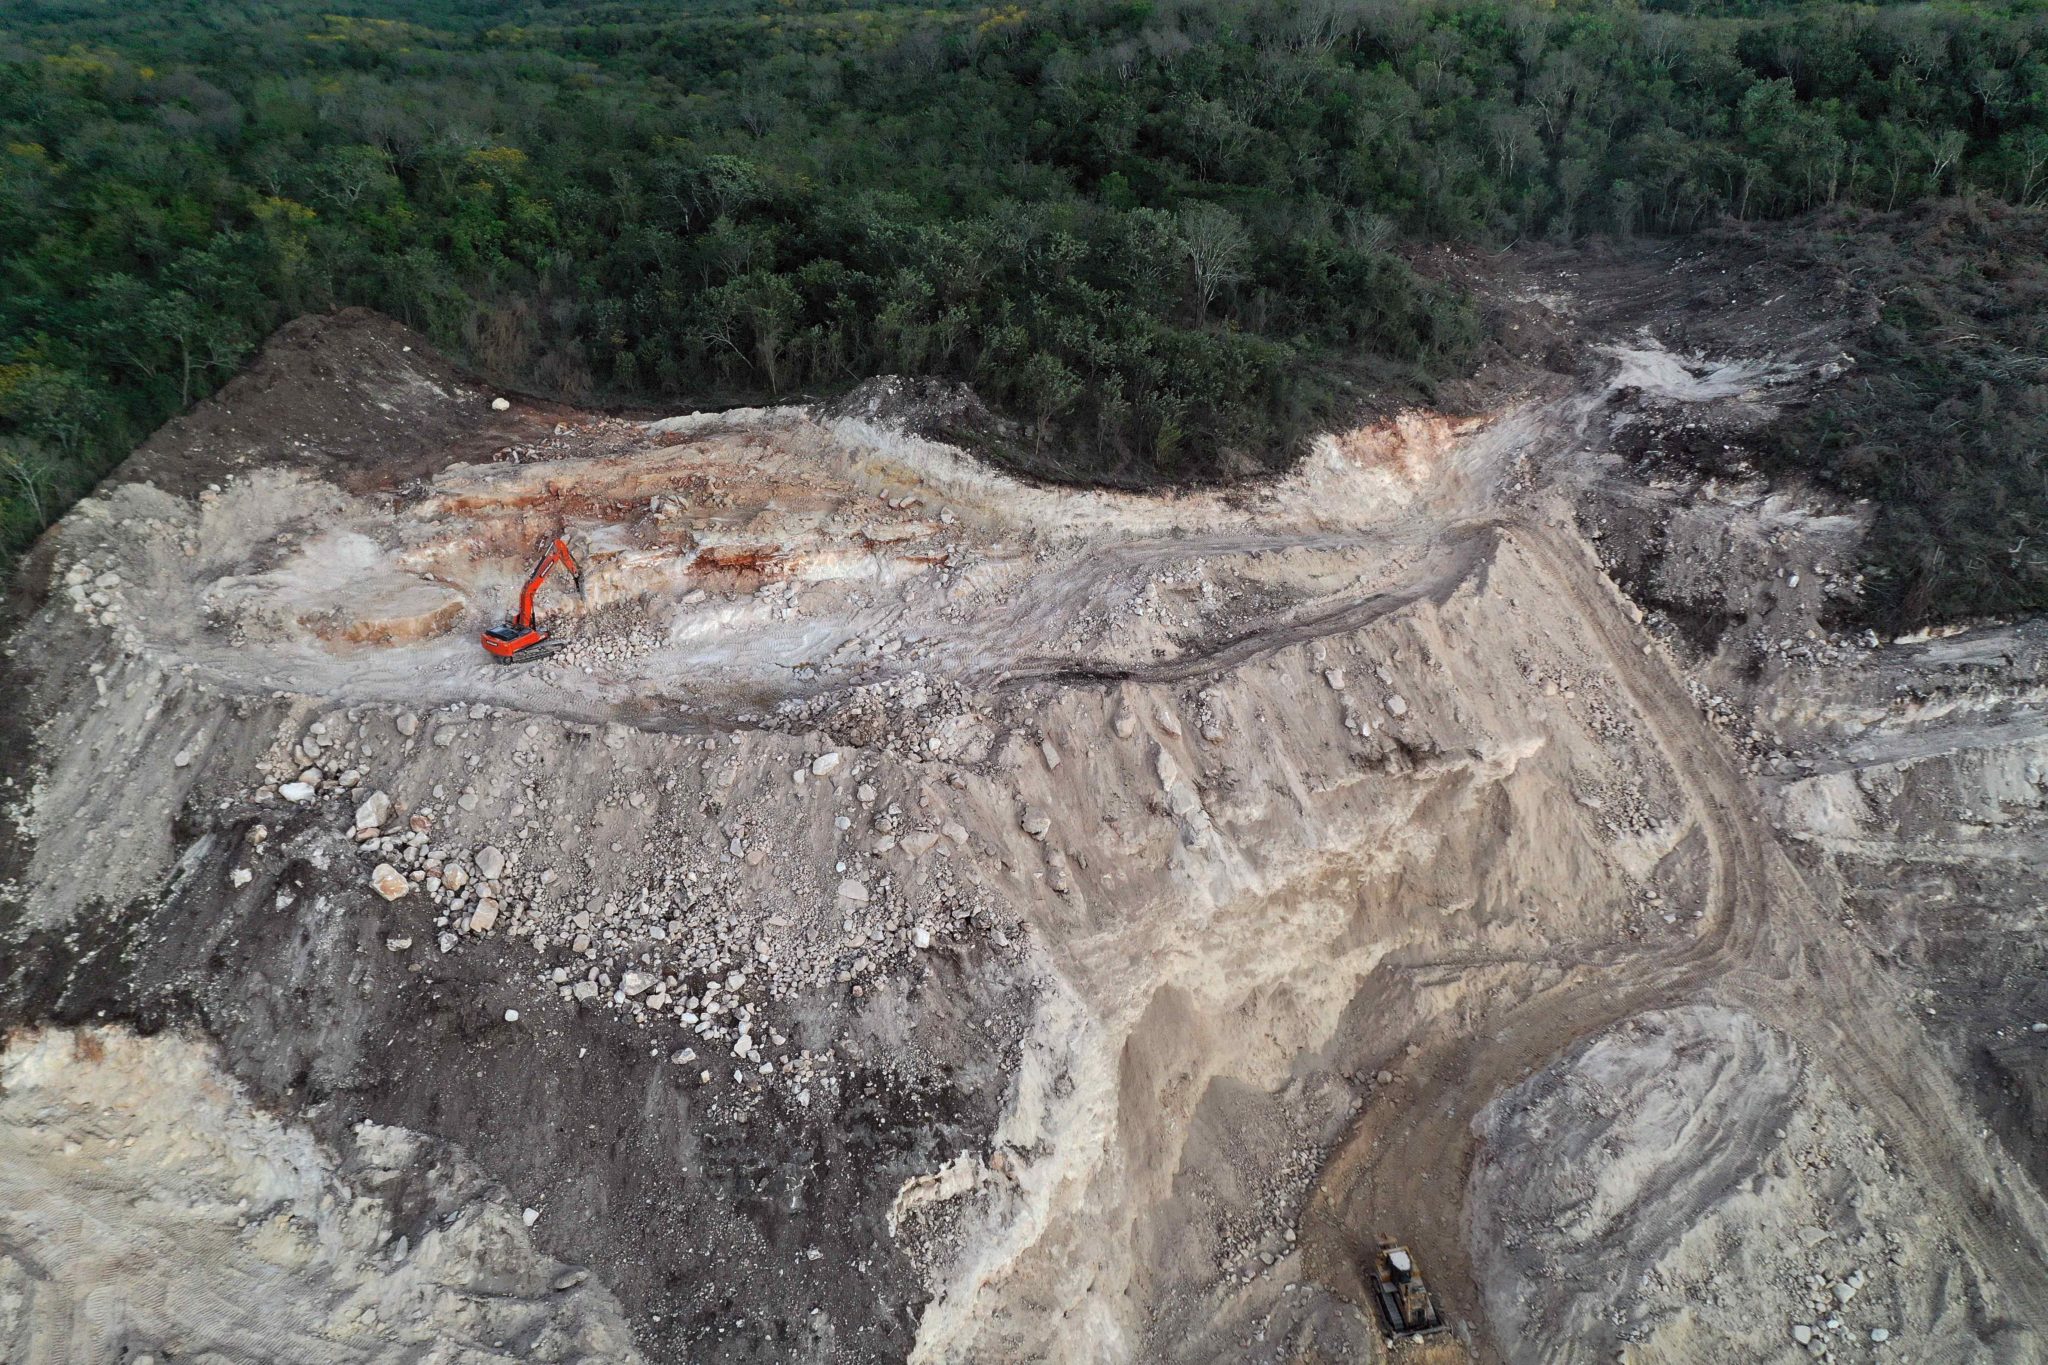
[(509, 644), (1406, 1304), (519, 640)]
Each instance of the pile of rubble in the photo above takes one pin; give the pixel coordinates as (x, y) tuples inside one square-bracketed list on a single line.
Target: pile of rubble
[(679, 935)]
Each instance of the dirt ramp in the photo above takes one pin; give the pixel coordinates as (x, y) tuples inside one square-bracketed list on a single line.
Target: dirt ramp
[(1276, 885)]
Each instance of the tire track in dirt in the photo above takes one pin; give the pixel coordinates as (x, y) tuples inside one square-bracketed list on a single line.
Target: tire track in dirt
[(1467, 547), (1841, 1009), (1764, 944), (1048, 605), (1405, 1169)]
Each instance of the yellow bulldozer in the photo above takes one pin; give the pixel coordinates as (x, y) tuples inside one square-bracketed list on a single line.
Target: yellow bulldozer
[(1406, 1304)]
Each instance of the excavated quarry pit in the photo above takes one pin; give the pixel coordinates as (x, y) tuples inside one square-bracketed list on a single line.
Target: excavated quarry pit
[(921, 915)]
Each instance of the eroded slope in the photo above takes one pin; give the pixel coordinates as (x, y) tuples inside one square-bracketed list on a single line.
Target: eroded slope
[(923, 915)]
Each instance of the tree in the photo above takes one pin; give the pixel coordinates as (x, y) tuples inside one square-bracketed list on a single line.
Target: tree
[(1050, 388), (1216, 246), (346, 175), (1625, 203), (31, 481), (764, 309), (1949, 145), (1899, 150), (1216, 132), (1034, 199), (200, 339), (49, 404), (1574, 178), (2026, 157)]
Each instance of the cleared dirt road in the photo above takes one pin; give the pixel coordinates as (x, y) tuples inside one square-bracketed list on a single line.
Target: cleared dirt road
[(1765, 943)]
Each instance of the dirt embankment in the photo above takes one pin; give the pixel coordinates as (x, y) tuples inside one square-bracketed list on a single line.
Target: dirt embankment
[(920, 915), (129, 1166)]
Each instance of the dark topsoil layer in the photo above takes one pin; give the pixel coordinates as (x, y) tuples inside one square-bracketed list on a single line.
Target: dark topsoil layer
[(351, 397)]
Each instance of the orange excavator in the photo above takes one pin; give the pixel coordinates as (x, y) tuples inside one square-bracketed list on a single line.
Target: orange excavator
[(519, 640)]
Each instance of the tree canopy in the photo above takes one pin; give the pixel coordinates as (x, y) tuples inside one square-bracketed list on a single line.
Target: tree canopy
[(1165, 238)]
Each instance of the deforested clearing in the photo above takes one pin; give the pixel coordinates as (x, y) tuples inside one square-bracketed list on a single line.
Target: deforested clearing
[(918, 913)]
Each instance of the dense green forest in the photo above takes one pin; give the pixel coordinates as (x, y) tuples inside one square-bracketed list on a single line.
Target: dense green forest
[(1165, 238)]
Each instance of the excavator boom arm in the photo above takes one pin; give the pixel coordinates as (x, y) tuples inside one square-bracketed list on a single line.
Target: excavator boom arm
[(558, 553)]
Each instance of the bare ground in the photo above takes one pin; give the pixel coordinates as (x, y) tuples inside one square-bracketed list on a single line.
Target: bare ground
[(924, 915)]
